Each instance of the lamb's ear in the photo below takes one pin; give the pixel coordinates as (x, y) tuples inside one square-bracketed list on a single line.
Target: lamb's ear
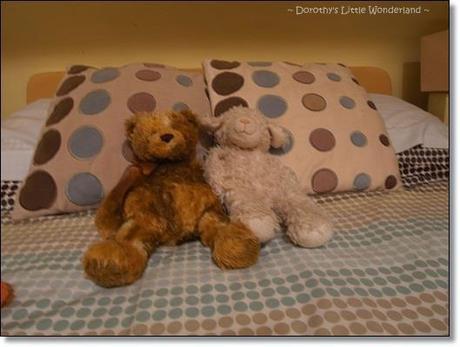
[(278, 136), (209, 123)]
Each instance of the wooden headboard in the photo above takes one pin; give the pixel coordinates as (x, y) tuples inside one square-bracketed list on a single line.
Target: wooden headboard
[(374, 79)]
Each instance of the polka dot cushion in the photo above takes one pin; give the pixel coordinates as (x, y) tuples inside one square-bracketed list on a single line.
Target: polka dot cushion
[(338, 140), (82, 151)]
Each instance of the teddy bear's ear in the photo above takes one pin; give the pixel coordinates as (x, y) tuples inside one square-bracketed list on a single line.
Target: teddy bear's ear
[(209, 123), (130, 124), (278, 136), (190, 116)]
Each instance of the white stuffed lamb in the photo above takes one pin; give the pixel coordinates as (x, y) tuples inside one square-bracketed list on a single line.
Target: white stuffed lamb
[(255, 187)]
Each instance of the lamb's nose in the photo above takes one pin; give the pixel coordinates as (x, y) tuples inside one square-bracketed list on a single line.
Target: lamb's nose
[(166, 137), (245, 120)]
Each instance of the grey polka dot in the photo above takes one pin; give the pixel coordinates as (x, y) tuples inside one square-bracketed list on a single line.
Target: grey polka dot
[(333, 77), (259, 63), (358, 138), (44, 324), (362, 181), (286, 147), (184, 80), (272, 106), (105, 75), (347, 102), (84, 189), (60, 325), (266, 79), (180, 106), (85, 142), (95, 102)]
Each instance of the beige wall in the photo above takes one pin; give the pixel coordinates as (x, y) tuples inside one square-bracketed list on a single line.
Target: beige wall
[(46, 36)]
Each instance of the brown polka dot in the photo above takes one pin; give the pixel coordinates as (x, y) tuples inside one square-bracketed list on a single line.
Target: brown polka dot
[(322, 139), (374, 326), (340, 330), (437, 324), (314, 102), (226, 104), (228, 332), (139, 329), (384, 303), (154, 65), (339, 303), (379, 314), (441, 296), (364, 314), (77, 69), (309, 309), (322, 332), (331, 316), (393, 315), (406, 329), (390, 328), (276, 315), (384, 140), (128, 152), (355, 80), (281, 328), (304, 77), (357, 328), (324, 304), (174, 327), (293, 313), (353, 302), (299, 327), (259, 318), (371, 105), (427, 297), (47, 147), (192, 325), (315, 321), (411, 314), (264, 331), (398, 302), (148, 75), (224, 65), (157, 328), (243, 319), (390, 182), (425, 311), (70, 84), (208, 324), (324, 181), (225, 322), (60, 111), (245, 332), (348, 315), (227, 83), (421, 326), (141, 102), (439, 309), (39, 191), (413, 300)]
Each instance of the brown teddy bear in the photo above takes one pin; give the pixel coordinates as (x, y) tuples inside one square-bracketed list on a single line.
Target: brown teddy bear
[(171, 204)]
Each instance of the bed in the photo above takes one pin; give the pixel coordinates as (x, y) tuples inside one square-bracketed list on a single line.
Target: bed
[(384, 273)]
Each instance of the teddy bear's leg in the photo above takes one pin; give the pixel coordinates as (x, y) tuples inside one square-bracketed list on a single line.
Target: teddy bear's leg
[(109, 216), (306, 225), (121, 260), (233, 245), (261, 219)]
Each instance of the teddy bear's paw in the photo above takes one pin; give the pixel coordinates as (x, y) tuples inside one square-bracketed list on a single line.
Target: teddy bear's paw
[(263, 227), (112, 264), (317, 232), (237, 248)]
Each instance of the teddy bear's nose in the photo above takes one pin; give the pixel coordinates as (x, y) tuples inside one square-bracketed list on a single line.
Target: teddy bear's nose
[(166, 137)]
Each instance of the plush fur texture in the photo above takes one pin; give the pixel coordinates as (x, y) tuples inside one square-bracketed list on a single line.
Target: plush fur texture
[(170, 205), (256, 188)]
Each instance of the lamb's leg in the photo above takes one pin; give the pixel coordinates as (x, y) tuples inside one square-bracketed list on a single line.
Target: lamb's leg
[(122, 260), (233, 245), (306, 225)]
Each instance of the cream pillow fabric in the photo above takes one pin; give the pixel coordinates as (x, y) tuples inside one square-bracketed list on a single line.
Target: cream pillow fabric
[(338, 140), (82, 151)]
